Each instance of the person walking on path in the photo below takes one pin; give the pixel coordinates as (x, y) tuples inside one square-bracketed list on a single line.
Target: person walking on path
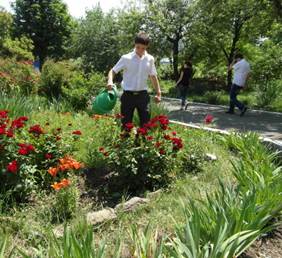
[(241, 73), (184, 81), (137, 66)]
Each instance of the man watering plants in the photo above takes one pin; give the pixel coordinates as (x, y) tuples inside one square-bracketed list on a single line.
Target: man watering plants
[(137, 67)]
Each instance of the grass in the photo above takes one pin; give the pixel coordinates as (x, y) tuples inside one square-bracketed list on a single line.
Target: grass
[(217, 212)]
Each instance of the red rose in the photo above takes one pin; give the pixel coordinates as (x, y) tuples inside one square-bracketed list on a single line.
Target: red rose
[(77, 132), (129, 126), (10, 133), (149, 138), (48, 156), (3, 114), (17, 123), (23, 151), (29, 147), (151, 125), (12, 167), (177, 143), (162, 152), (142, 131), (36, 130), (2, 130), (209, 119), (174, 133), (23, 118)]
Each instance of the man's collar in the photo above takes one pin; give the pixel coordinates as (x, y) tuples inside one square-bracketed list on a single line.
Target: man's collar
[(135, 54)]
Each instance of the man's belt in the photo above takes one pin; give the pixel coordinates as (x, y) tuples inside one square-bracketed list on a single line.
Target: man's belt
[(135, 92)]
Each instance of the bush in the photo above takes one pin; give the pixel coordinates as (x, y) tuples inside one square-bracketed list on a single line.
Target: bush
[(142, 158), (213, 97), (64, 80), (268, 92), (18, 77), (165, 72), (32, 159)]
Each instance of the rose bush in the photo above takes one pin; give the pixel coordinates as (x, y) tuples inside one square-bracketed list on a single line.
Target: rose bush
[(34, 158), (142, 157)]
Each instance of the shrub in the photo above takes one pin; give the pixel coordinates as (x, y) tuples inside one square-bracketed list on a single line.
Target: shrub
[(213, 97), (142, 157), (53, 77), (64, 80), (18, 77), (31, 158), (268, 92)]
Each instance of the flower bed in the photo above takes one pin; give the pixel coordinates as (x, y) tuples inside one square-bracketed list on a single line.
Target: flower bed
[(30, 155)]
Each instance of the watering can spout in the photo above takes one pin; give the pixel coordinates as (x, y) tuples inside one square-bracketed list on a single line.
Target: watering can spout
[(105, 101)]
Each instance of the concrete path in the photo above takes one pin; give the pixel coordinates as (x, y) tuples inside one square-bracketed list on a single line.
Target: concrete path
[(268, 124)]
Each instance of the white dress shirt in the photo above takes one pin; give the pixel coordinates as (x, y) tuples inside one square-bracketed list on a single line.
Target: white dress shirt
[(136, 70), (241, 71)]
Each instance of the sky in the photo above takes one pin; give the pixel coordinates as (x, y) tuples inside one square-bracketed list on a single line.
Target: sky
[(77, 7)]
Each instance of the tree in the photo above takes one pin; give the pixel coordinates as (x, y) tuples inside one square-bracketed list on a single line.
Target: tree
[(171, 20), (96, 40), (228, 21), (46, 22), (19, 48)]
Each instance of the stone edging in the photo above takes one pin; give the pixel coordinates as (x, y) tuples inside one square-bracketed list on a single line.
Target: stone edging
[(277, 145)]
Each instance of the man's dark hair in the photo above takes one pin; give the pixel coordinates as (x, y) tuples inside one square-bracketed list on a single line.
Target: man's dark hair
[(239, 55), (142, 38)]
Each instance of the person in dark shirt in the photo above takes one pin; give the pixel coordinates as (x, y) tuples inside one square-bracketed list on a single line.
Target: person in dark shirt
[(184, 81)]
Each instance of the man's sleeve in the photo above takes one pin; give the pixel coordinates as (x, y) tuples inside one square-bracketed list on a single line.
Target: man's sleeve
[(120, 65), (153, 70)]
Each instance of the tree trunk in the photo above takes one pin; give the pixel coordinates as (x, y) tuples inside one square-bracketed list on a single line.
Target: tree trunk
[(236, 35), (175, 59)]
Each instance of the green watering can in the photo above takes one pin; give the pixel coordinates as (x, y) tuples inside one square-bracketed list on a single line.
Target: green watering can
[(105, 101)]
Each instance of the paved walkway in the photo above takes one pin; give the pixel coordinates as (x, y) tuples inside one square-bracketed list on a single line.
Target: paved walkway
[(268, 124)]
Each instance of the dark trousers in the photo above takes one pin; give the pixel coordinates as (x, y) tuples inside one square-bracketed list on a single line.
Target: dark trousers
[(235, 89), (135, 100), (183, 92)]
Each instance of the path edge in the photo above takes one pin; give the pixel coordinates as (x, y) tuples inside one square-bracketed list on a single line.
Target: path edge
[(273, 144)]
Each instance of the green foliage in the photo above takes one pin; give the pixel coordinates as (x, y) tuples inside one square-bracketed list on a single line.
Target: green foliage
[(95, 41), (64, 80), (193, 160), (73, 245), (19, 48), (47, 23), (65, 203)]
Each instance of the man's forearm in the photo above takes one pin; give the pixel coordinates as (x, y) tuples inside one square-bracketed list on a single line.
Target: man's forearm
[(156, 84), (111, 76)]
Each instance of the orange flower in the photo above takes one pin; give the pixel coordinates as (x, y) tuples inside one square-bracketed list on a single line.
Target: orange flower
[(63, 184), (53, 171)]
